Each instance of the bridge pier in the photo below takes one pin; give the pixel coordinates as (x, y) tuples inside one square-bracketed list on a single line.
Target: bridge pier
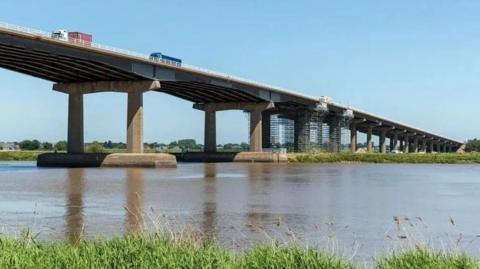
[(353, 137), (256, 111), (266, 129), (259, 119), (75, 137), (395, 142), (135, 157), (302, 131), (406, 144), (354, 134), (415, 144), (134, 89), (210, 131), (382, 140), (135, 122), (256, 130), (335, 133), (369, 139)]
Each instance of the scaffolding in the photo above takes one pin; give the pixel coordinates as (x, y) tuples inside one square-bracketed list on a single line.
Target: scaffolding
[(305, 131), (300, 131), (282, 132)]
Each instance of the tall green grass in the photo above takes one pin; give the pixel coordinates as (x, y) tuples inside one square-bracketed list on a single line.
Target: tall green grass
[(140, 251), (384, 158), (19, 155), (426, 259), (155, 252)]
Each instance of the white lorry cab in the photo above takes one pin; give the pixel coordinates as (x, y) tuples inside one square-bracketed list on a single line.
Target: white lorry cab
[(60, 35)]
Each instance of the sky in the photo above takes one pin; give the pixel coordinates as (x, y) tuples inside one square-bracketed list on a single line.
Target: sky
[(416, 62)]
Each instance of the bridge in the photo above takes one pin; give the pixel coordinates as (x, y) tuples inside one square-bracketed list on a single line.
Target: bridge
[(77, 69)]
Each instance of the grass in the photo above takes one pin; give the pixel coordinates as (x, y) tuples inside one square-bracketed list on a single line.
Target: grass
[(19, 155), (153, 251), (384, 158), (426, 259)]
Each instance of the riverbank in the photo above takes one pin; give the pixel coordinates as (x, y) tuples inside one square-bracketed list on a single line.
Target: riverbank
[(157, 252), (467, 158), (19, 155)]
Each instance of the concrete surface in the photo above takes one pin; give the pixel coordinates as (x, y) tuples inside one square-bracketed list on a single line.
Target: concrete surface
[(152, 160), (268, 157)]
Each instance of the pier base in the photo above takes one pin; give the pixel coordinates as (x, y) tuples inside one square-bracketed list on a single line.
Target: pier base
[(152, 160), (218, 157)]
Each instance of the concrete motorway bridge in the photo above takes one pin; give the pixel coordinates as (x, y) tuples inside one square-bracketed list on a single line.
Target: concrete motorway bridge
[(78, 69)]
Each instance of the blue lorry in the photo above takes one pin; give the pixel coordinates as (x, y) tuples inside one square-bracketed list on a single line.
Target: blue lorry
[(159, 57)]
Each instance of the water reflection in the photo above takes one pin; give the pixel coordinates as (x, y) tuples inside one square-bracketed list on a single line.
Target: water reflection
[(134, 207), (74, 216), (210, 205), (259, 177)]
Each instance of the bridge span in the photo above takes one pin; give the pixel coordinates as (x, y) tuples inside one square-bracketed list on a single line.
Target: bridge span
[(77, 69)]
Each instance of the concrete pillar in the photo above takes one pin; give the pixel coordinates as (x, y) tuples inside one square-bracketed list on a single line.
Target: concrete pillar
[(135, 122), (431, 146), (335, 135), (450, 148), (210, 131), (302, 132), (369, 139), (266, 129), (256, 130), (353, 137), (396, 143), (424, 145), (383, 138), (75, 123), (406, 145), (415, 145)]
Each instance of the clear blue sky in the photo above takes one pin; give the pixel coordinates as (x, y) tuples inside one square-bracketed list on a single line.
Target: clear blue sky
[(414, 61)]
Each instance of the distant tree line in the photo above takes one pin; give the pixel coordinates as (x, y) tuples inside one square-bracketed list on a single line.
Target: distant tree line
[(473, 145), (182, 145), (37, 145)]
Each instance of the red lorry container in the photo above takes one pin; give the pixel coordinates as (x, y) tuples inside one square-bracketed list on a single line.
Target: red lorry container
[(82, 38)]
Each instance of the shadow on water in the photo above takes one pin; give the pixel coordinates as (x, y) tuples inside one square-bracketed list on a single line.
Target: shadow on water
[(74, 216)]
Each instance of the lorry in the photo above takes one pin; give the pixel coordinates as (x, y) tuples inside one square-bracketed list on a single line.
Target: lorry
[(159, 57), (74, 37), (82, 38)]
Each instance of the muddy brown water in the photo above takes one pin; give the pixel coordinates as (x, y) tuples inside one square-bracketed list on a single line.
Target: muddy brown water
[(359, 209)]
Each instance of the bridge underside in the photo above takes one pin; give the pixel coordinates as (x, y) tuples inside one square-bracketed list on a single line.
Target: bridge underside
[(59, 68)]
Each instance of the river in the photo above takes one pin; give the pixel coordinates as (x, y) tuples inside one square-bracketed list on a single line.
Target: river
[(358, 209)]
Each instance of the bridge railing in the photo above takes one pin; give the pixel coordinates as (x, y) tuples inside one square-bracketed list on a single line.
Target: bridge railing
[(23, 29), (144, 56)]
